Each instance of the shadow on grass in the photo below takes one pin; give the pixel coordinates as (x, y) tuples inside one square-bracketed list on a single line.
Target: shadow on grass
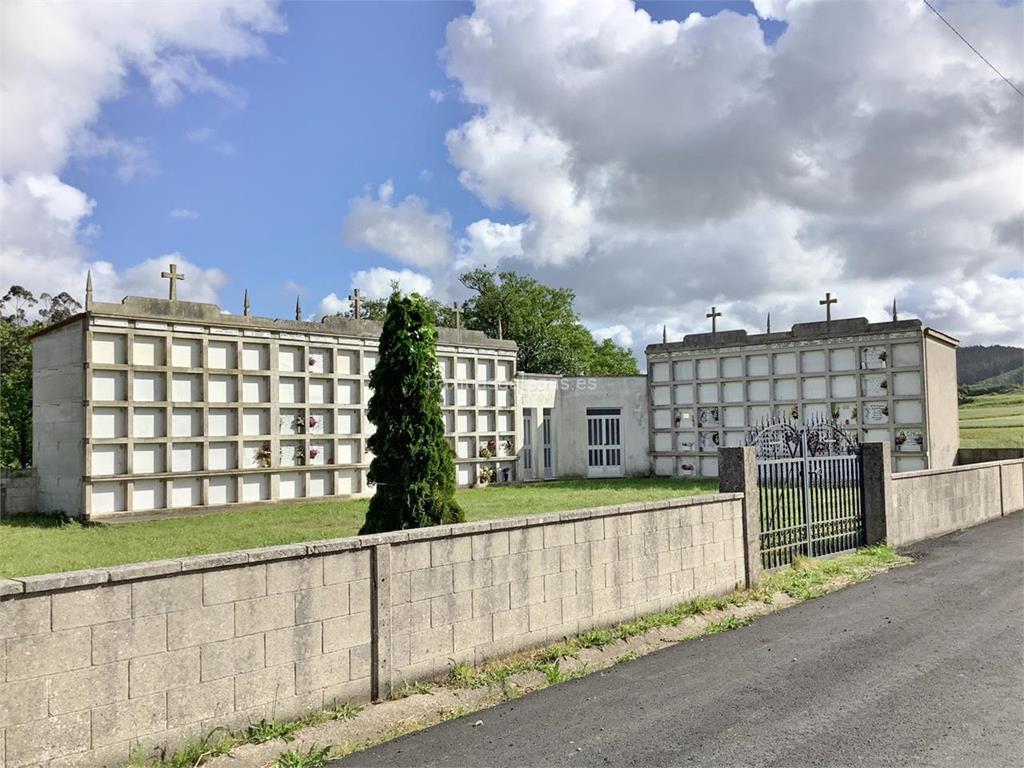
[(39, 520)]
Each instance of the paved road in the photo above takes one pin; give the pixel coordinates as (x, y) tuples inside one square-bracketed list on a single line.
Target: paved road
[(919, 666)]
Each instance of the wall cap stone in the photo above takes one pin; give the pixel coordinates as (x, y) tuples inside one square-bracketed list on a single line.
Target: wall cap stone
[(11, 587), (50, 582), (964, 468)]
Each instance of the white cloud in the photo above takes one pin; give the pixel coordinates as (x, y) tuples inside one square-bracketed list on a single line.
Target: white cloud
[(183, 213), (405, 230), (62, 63), (660, 167), (620, 334), (143, 279), (436, 96), (332, 304), (376, 283)]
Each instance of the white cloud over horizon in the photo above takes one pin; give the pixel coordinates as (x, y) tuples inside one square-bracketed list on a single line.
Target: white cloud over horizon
[(658, 168), (62, 63)]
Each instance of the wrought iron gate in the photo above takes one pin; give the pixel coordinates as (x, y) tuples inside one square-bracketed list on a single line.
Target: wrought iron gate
[(810, 491)]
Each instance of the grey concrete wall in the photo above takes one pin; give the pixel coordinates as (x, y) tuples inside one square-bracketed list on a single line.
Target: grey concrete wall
[(58, 436), (966, 456), (159, 653), (941, 400), (17, 491), (939, 501)]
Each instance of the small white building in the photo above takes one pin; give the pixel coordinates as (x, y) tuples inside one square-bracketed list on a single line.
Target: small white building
[(592, 426)]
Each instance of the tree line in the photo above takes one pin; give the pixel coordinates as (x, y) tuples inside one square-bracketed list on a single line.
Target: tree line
[(16, 306), (542, 320)]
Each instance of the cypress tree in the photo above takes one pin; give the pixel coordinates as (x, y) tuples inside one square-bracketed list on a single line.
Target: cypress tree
[(413, 465)]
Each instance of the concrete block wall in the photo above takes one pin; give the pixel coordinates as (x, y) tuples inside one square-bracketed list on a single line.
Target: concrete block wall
[(17, 491), (96, 663), (935, 502), (527, 582)]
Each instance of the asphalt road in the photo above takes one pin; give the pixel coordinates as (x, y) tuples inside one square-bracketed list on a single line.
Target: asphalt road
[(918, 666)]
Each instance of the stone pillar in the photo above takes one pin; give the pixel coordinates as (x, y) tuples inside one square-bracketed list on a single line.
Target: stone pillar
[(381, 681), (877, 479), (737, 473)]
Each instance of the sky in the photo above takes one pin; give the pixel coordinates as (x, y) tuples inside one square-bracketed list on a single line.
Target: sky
[(657, 158)]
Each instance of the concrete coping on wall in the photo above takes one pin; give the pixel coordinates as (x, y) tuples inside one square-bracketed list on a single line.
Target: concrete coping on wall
[(948, 470), (55, 582)]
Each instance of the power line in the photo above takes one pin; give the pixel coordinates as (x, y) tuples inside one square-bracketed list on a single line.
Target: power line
[(980, 56)]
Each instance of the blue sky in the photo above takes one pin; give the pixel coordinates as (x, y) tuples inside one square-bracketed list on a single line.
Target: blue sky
[(340, 102), (753, 158)]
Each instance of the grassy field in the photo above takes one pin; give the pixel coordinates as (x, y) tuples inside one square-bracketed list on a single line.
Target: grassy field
[(33, 545), (993, 421)]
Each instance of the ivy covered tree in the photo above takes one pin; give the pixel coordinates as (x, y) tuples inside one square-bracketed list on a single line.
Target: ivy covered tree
[(413, 465)]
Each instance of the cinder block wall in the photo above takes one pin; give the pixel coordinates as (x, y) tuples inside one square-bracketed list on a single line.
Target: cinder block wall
[(17, 491), (939, 501), (152, 655)]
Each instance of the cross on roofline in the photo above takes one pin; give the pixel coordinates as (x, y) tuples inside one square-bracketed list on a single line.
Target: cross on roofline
[(827, 302), (458, 314), (357, 301), (173, 277), (714, 314)]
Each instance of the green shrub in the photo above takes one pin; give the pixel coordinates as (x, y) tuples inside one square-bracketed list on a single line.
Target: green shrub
[(413, 465)]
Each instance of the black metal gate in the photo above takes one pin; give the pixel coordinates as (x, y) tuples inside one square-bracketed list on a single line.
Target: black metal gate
[(810, 491)]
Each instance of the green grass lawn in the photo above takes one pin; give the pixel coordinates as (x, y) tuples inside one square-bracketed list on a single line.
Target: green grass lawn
[(33, 545), (993, 421)]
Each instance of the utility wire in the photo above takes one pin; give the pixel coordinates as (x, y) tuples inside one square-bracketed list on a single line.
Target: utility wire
[(980, 56)]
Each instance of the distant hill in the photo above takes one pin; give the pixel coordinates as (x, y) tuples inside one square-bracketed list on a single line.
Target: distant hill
[(1011, 381), (978, 364)]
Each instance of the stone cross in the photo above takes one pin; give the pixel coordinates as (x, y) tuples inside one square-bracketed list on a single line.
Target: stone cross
[(173, 276), (458, 314), (357, 302), (827, 302), (714, 314)]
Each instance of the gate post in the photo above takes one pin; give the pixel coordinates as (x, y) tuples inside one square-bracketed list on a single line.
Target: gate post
[(737, 473), (876, 474)]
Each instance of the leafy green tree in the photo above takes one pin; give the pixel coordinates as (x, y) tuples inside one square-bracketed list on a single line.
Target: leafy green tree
[(543, 322), (609, 359), (15, 304), (413, 465), (59, 307), (15, 395)]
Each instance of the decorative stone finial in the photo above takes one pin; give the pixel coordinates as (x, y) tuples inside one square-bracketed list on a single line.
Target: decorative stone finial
[(88, 289), (298, 308), (894, 318), (246, 305), (769, 324), (664, 334), (501, 332)]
